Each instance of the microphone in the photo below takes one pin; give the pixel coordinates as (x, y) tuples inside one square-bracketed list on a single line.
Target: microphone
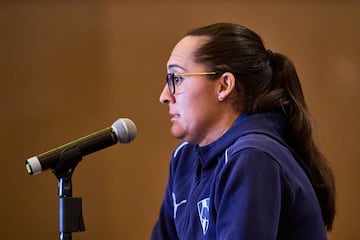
[(121, 131)]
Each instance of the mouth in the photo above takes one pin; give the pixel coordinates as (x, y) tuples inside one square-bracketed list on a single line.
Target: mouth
[(174, 116)]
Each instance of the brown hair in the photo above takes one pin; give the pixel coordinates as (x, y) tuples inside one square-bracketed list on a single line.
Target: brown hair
[(268, 82)]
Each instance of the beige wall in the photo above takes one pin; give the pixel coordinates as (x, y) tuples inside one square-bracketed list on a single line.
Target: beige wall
[(68, 68)]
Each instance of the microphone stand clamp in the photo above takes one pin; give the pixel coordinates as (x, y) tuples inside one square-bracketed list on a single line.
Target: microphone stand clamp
[(70, 208)]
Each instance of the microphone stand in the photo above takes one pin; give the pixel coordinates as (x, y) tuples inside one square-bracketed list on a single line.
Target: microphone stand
[(70, 208)]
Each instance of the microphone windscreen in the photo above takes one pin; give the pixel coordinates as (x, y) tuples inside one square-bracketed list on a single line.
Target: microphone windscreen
[(125, 130)]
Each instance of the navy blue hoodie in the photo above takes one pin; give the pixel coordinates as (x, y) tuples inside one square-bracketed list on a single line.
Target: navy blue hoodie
[(247, 185)]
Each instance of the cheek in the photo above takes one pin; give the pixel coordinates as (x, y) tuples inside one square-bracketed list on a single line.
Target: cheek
[(198, 110), (197, 103)]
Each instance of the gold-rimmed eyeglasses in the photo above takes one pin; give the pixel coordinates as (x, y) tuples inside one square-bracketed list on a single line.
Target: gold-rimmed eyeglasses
[(174, 79)]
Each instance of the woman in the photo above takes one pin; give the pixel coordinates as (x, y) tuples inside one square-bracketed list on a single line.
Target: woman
[(248, 167)]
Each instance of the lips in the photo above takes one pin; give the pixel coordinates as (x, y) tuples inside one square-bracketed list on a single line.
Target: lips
[(174, 116)]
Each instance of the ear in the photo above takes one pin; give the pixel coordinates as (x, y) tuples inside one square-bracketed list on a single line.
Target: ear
[(226, 85)]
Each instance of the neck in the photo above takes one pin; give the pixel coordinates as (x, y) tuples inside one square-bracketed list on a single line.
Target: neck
[(221, 128)]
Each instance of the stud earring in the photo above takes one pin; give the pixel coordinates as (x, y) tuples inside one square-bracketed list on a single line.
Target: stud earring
[(220, 98)]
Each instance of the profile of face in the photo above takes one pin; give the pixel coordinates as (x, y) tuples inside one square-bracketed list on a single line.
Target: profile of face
[(195, 110)]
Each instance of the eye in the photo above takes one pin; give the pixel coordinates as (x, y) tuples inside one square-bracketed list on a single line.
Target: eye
[(178, 80)]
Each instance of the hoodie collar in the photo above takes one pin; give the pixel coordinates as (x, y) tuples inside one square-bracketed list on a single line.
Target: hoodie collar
[(267, 123)]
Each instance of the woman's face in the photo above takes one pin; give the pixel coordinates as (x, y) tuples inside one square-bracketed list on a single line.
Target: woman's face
[(194, 108)]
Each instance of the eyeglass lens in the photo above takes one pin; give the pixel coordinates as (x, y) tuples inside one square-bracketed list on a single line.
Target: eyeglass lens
[(170, 82)]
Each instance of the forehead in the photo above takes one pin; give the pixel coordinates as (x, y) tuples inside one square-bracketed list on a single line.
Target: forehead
[(183, 52)]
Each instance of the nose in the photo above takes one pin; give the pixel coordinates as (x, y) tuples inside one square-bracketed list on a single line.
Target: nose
[(165, 96)]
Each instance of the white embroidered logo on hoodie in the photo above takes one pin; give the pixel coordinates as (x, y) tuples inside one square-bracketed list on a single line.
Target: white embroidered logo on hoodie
[(204, 211)]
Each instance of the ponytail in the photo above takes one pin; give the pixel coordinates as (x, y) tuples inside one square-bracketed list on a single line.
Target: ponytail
[(287, 93)]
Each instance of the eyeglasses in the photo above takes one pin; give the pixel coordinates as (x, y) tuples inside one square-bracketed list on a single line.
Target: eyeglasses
[(174, 79)]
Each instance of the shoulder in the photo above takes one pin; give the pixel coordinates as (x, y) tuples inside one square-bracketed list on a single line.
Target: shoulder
[(262, 154), (257, 156), (257, 142)]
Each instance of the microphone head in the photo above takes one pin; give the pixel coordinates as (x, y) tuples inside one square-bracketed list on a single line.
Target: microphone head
[(124, 129)]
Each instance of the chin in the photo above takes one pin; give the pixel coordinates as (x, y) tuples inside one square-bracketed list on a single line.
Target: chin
[(177, 135), (177, 132)]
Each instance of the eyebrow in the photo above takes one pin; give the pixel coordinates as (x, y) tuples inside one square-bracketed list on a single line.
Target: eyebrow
[(175, 66)]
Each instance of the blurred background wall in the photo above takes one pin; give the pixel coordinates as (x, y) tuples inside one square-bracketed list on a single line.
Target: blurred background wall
[(69, 68)]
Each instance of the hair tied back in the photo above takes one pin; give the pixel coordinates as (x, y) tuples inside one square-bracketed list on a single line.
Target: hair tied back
[(271, 58)]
